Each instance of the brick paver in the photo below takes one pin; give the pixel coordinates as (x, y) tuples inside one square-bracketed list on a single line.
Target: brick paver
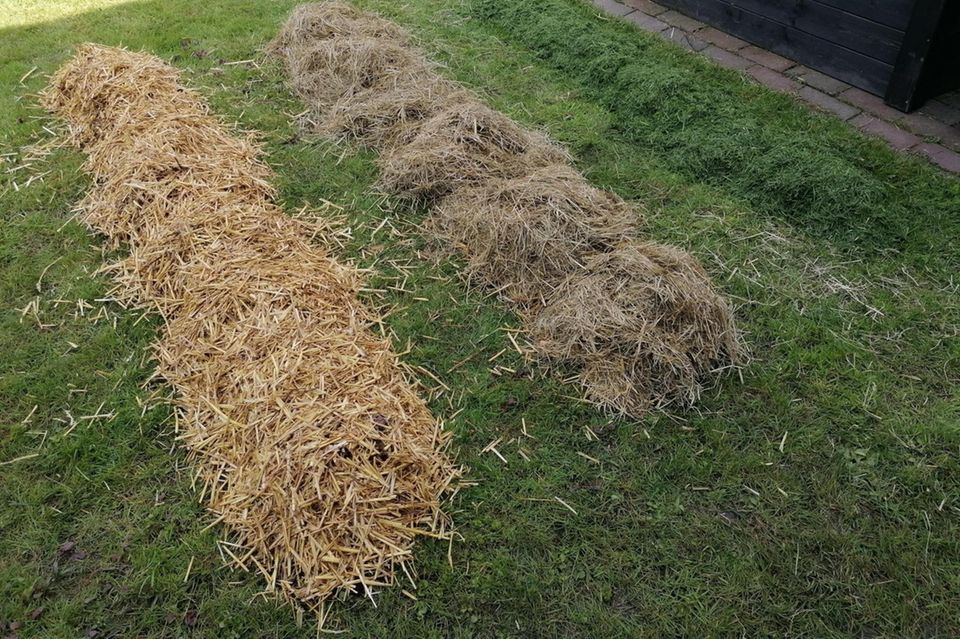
[(766, 58), (612, 7), (830, 86), (727, 59), (932, 132), (684, 39), (941, 111), (677, 19), (920, 124), (895, 136), (945, 158), (870, 103), (773, 79), (646, 6), (829, 103), (721, 39), (646, 22)]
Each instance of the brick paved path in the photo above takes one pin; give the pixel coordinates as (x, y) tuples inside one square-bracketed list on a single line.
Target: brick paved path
[(933, 131)]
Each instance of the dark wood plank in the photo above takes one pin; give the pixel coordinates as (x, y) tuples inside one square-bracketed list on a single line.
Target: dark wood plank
[(923, 66), (853, 67), (893, 13), (846, 29), (942, 71)]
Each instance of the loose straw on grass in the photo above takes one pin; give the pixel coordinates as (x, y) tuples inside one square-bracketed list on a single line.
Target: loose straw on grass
[(639, 324), (315, 450)]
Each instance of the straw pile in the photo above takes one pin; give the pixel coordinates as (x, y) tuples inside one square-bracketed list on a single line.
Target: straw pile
[(308, 24), (312, 446), (639, 324)]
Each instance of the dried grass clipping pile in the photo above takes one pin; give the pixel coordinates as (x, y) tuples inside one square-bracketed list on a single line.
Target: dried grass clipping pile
[(308, 24), (640, 324), (313, 447), (357, 72), (340, 68), (525, 235), (464, 144)]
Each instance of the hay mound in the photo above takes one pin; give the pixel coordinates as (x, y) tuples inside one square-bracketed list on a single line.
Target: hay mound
[(314, 449), (525, 235), (464, 144), (329, 70), (310, 23), (643, 323)]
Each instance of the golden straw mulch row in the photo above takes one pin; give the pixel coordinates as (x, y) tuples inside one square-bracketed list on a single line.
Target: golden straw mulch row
[(639, 323), (314, 449)]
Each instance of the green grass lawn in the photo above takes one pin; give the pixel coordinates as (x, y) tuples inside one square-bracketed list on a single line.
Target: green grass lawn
[(816, 494)]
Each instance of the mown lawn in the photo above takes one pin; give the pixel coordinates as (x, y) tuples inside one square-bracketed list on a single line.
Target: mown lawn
[(815, 494)]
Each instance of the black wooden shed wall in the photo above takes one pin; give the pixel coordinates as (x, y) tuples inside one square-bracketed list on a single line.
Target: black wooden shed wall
[(857, 41)]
